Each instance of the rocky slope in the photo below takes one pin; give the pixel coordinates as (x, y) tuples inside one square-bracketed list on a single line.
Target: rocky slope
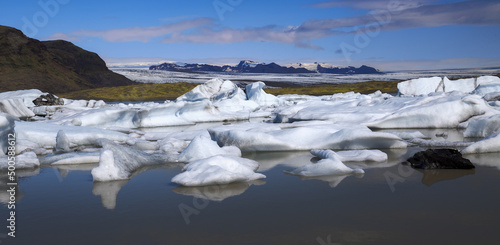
[(51, 66)]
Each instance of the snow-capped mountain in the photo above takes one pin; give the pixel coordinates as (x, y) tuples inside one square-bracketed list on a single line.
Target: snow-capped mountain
[(312, 66), (248, 66)]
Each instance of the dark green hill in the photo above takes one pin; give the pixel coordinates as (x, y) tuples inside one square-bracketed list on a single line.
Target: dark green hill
[(51, 66)]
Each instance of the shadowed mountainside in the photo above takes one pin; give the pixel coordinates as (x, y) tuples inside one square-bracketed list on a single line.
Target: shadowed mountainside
[(51, 66)]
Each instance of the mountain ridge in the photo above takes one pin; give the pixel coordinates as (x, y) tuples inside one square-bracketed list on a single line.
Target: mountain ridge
[(248, 66)]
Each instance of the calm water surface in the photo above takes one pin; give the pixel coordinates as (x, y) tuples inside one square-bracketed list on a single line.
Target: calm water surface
[(389, 204)]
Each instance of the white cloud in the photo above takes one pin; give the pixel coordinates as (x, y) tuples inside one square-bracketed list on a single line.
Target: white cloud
[(402, 15)]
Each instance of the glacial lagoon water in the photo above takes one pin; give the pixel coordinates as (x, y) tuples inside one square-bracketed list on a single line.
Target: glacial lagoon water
[(389, 204)]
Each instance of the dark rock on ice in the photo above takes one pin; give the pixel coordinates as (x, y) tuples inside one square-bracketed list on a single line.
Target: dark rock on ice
[(48, 99), (439, 159)]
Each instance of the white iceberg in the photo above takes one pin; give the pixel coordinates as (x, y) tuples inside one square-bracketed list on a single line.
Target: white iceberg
[(25, 160), (15, 107), (27, 96), (72, 158), (6, 128), (118, 162), (256, 93), (203, 147), (435, 112), (330, 164), (481, 127), (488, 144), (45, 134), (213, 90), (359, 155), (270, 137), (218, 170), (421, 86)]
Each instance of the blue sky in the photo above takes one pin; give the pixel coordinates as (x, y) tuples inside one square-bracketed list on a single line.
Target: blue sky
[(387, 34)]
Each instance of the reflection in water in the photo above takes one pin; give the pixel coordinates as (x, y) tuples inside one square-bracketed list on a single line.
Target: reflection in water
[(20, 173), (108, 192), (485, 159), (431, 176), (216, 192), (333, 180), (269, 160)]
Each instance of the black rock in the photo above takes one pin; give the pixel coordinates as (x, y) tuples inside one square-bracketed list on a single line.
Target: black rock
[(439, 159), (48, 99)]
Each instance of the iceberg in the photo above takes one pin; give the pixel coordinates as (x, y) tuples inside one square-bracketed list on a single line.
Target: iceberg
[(488, 144), (26, 96), (218, 170), (268, 137), (203, 147), (481, 127), (425, 86), (255, 92), (6, 127), (358, 155), (71, 158), (118, 162), (330, 164), (45, 134), (25, 160), (435, 112), (16, 108), (421, 86), (214, 89)]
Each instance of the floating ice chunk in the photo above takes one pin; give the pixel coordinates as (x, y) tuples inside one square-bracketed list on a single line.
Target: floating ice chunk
[(362, 156), (439, 143), (408, 135), (15, 107), (255, 92), (71, 158), (266, 137), (488, 144), (495, 96), (107, 169), (218, 170), (330, 164), (119, 162), (45, 134), (25, 160), (6, 128), (462, 85), (487, 80), (203, 147), (348, 109), (485, 89), (27, 96), (62, 142), (421, 86), (483, 126), (435, 112), (213, 89)]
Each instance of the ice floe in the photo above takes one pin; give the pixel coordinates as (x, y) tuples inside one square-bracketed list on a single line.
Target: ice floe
[(22, 161), (210, 126), (330, 164), (218, 170), (118, 162), (203, 147), (271, 137), (488, 144)]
